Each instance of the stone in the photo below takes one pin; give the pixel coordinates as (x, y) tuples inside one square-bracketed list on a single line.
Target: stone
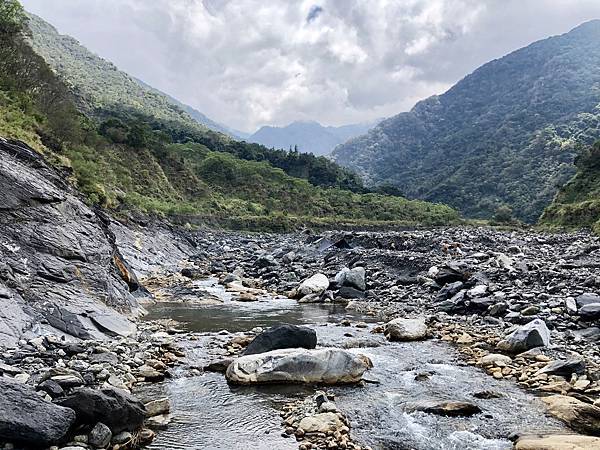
[(219, 366), (52, 388), (282, 336), (590, 312), (495, 359), (324, 366), (354, 278), (123, 437), (406, 329), (477, 291), (317, 284), (558, 442), (157, 407), (28, 419), (531, 335), (564, 367), (115, 408), (150, 373), (449, 290), (587, 299), (100, 436), (445, 408), (114, 324), (351, 293), (68, 381), (581, 417), (321, 423)]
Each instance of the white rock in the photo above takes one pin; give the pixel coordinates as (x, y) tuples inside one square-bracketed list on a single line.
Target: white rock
[(316, 284), (406, 329)]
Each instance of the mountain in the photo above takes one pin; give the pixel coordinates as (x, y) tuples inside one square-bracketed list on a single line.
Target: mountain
[(129, 150), (308, 136), (505, 134), (577, 203)]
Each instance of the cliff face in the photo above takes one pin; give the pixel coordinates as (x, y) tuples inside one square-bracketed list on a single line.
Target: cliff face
[(59, 266)]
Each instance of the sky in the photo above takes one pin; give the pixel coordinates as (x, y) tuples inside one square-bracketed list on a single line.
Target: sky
[(248, 63)]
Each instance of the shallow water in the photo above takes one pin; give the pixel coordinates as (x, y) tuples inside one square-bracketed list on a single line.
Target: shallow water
[(209, 414)]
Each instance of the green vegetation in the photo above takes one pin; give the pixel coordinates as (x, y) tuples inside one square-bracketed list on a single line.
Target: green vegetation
[(506, 134), (577, 204), (130, 159)]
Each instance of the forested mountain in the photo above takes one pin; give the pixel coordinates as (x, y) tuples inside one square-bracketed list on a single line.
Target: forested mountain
[(147, 155), (308, 136), (506, 134), (577, 204)]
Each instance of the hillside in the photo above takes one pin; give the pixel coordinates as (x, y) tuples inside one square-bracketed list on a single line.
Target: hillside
[(505, 134), (307, 136), (134, 161), (577, 204)]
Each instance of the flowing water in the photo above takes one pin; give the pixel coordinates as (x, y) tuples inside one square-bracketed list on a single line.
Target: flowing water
[(210, 414)]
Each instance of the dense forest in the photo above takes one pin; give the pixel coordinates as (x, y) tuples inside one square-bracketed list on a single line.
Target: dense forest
[(504, 135), (135, 158)]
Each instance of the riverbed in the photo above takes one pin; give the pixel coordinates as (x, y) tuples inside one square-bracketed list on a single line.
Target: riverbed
[(210, 414)]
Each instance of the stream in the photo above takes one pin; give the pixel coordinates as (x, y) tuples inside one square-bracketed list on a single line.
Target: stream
[(210, 414)]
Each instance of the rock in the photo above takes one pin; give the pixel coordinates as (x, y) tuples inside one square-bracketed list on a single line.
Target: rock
[(150, 373), (558, 442), (406, 329), (477, 291), (68, 381), (321, 423), (123, 437), (317, 284), (27, 418), (495, 359), (590, 312), (52, 388), (115, 408), (449, 290), (445, 408), (265, 261), (354, 278), (351, 293), (449, 274), (159, 422), (100, 436), (580, 416), (326, 366), (587, 299), (530, 335), (157, 407), (564, 367), (282, 336), (219, 366), (114, 324)]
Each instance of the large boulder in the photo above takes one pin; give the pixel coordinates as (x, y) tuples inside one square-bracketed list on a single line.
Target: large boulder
[(354, 278), (582, 417), (28, 419), (558, 442), (114, 408), (406, 329), (531, 335), (317, 284), (282, 336), (326, 366), (587, 299)]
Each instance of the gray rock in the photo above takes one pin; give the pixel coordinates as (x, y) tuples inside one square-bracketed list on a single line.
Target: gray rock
[(117, 409), (445, 408), (534, 334), (322, 366), (100, 436), (406, 329), (282, 336), (27, 418), (564, 367), (157, 407), (590, 312), (317, 284), (354, 278), (587, 299)]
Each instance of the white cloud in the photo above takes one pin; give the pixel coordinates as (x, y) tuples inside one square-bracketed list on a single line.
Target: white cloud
[(249, 62)]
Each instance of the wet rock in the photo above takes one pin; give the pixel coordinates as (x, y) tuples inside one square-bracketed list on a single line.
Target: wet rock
[(445, 408), (316, 284), (580, 416), (100, 436), (533, 334), (157, 407), (326, 366), (117, 409), (282, 336), (219, 366), (321, 423), (406, 329), (564, 367), (558, 442), (27, 418)]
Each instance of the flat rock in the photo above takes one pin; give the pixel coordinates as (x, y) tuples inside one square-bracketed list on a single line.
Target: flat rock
[(406, 329), (114, 324), (558, 442), (325, 366), (445, 408), (27, 418), (564, 367), (321, 423), (580, 416)]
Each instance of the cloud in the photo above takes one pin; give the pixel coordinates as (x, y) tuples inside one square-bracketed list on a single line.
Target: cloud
[(313, 13), (247, 63)]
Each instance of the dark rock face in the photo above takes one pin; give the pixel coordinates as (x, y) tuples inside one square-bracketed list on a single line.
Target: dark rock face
[(116, 409), (58, 260), (27, 418), (283, 336)]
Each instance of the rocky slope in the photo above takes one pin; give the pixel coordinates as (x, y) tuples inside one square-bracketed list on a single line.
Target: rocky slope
[(504, 134)]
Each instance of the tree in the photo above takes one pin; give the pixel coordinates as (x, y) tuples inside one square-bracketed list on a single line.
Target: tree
[(12, 16), (503, 214)]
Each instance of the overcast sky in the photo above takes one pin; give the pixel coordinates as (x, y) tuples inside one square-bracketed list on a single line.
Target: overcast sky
[(248, 63)]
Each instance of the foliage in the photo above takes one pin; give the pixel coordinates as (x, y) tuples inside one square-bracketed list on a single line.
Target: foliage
[(503, 214), (12, 16), (506, 134)]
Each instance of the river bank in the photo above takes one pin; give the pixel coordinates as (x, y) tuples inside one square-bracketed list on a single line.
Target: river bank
[(470, 286)]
